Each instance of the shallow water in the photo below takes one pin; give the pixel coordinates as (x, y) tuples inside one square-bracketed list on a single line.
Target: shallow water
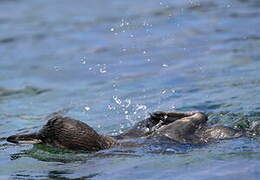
[(110, 63)]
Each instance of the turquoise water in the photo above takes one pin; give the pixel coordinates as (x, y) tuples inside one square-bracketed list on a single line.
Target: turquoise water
[(110, 63)]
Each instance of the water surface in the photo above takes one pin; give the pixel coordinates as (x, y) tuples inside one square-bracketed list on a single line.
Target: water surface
[(110, 63)]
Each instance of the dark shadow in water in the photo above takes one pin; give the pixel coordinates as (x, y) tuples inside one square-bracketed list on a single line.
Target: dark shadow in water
[(4, 92), (7, 40), (58, 175)]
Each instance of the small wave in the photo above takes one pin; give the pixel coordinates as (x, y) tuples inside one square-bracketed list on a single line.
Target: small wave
[(5, 92)]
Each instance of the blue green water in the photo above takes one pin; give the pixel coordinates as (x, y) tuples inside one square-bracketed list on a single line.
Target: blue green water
[(110, 63)]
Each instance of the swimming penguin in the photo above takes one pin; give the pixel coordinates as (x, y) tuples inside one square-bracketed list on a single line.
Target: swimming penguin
[(183, 127)]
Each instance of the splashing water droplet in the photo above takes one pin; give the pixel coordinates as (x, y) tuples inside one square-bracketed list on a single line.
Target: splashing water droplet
[(111, 107), (87, 108), (164, 91), (141, 107), (117, 100), (103, 70), (83, 60), (128, 101), (57, 68), (165, 65)]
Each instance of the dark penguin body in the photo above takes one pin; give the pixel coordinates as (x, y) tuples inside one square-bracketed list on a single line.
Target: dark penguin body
[(66, 133), (183, 127)]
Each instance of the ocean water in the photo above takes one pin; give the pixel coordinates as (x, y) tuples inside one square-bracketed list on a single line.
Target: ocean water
[(110, 63)]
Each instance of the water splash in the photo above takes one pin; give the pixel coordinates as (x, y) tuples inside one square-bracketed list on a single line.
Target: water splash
[(117, 100), (87, 108)]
